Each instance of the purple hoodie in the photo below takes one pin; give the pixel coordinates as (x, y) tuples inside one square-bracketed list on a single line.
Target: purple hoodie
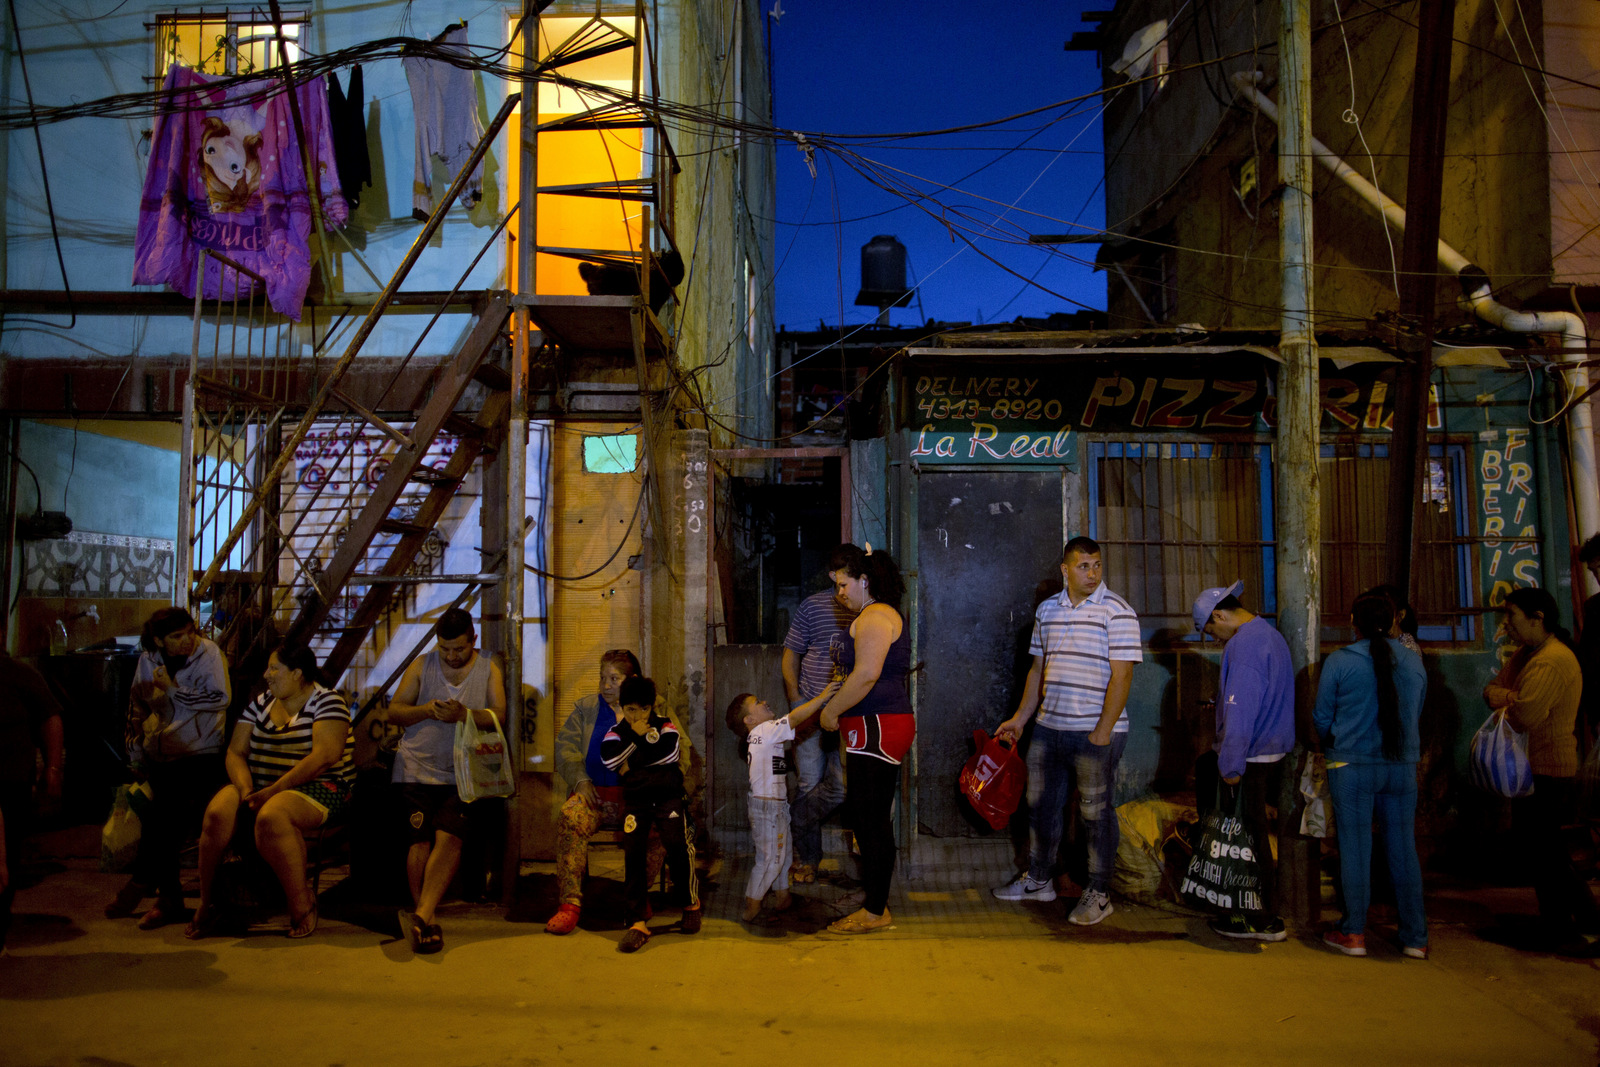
[(1255, 699)]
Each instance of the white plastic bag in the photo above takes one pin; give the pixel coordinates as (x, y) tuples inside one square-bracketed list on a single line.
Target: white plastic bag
[(483, 762), (1499, 760), (119, 838), (1317, 818)]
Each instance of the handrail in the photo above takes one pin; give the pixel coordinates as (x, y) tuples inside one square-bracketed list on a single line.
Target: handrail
[(286, 455)]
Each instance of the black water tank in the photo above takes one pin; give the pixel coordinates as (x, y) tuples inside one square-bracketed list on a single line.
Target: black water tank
[(883, 273)]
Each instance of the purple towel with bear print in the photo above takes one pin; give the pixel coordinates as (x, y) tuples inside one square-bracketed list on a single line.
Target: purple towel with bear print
[(226, 174)]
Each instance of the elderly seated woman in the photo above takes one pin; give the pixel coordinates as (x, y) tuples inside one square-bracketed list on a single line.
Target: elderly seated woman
[(595, 798), (289, 769)]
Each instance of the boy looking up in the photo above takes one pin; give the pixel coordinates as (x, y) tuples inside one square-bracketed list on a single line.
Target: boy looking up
[(764, 735)]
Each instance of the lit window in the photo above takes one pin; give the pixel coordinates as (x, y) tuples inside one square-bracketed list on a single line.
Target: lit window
[(617, 454), (215, 44)]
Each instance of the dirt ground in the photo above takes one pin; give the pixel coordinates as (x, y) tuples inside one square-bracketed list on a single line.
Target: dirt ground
[(960, 978)]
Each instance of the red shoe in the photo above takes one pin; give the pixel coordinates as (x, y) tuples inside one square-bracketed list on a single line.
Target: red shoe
[(1349, 944), (564, 921)]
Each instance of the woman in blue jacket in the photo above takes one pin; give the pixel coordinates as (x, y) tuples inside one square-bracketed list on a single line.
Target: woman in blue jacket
[(1368, 703)]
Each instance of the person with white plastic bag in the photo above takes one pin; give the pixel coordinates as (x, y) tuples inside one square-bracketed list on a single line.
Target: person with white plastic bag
[(439, 692), (1539, 689)]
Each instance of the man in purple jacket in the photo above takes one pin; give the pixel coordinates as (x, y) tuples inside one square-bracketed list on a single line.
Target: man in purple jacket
[(1255, 731)]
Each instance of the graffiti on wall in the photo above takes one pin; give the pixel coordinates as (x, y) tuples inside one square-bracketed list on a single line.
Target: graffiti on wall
[(336, 469), (1507, 512)]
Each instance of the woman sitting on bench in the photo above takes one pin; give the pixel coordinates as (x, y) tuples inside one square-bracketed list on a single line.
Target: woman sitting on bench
[(289, 768)]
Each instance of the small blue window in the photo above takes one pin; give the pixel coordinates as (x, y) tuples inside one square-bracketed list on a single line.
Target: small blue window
[(616, 454)]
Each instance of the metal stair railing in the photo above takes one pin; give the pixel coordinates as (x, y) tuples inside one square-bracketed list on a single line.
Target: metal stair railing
[(253, 512)]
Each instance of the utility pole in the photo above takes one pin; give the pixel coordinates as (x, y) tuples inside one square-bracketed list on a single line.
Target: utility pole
[(1419, 257), (1299, 504), (515, 461)]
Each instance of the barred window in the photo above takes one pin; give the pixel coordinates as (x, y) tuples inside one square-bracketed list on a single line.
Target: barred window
[(224, 42), (1178, 517), (1355, 524)]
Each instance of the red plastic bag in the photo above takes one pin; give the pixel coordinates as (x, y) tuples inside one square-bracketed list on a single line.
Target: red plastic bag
[(994, 779)]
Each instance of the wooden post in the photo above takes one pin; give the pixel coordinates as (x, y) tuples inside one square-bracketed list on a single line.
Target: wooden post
[(1299, 507), (514, 458), (1419, 267)]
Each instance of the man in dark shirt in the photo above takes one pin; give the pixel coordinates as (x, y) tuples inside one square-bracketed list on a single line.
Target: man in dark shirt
[(643, 748), (30, 718)]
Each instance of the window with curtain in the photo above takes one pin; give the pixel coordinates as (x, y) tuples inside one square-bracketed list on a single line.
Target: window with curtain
[(1174, 518), (1355, 525)]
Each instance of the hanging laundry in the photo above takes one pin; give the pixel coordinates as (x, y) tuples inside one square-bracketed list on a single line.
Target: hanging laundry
[(445, 101), (226, 174), (348, 124)]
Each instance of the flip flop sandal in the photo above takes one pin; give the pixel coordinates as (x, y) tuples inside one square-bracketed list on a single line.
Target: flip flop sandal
[(431, 941), (207, 922), (304, 926), (850, 925), (412, 928), (764, 918)]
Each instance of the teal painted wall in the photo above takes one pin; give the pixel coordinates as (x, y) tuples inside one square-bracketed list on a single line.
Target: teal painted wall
[(109, 485)]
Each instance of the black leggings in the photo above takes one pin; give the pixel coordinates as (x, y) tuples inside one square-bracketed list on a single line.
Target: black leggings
[(870, 785), (180, 790)]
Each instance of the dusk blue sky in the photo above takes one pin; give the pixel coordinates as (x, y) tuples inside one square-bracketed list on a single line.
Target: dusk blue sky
[(872, 67)]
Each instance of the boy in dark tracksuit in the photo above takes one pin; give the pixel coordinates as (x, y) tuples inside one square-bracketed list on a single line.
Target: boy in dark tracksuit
[(643, 748)]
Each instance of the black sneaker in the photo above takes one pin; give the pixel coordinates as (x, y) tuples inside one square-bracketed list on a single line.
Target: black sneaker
[(1233, 926), (690, 923)]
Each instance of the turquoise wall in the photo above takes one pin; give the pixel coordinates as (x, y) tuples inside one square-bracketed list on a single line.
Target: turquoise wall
[(108, 485)]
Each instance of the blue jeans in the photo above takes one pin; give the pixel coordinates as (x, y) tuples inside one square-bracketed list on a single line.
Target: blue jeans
[(1056, 760), (811, 809), (808, 762), (1388, 791)]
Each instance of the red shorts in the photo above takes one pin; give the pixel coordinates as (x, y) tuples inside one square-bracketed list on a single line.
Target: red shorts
[(885, 737)]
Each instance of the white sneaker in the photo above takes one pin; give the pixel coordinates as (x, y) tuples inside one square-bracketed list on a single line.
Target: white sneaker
[(1092, 907), (1024, 888)]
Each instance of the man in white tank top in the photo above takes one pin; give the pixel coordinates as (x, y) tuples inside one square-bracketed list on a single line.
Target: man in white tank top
[(437, 691)]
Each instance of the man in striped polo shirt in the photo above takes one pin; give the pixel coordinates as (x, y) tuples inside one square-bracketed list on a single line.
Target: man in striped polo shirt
[(1085, 643)]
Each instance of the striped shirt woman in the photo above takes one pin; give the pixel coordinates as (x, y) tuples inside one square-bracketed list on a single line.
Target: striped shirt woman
[(276, 748)]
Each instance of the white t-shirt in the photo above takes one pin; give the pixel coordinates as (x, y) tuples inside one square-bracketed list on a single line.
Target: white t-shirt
[(768, 764)]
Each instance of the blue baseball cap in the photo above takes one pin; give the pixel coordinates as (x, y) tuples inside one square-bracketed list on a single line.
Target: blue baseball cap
[(1207, 602)]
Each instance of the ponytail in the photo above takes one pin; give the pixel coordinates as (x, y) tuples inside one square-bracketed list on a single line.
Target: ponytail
[(1373, 616), (883, 577)]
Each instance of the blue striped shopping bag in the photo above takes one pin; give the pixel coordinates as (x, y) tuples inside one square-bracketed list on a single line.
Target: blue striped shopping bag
[(1499, 760)]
